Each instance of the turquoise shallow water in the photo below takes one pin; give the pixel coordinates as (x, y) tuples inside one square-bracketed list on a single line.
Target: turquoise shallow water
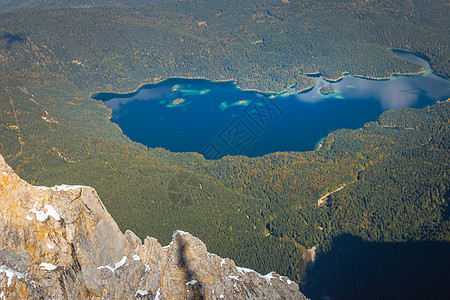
[(218, 119)]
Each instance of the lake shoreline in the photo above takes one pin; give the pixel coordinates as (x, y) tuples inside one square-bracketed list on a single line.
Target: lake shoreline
[(353, 94), (94, 95), (344, 74), (285, 91)]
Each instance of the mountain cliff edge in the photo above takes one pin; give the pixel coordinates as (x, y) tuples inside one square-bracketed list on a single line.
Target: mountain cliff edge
[(62, 243)]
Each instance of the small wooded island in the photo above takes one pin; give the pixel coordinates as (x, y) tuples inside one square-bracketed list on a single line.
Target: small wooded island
[(326, 90)]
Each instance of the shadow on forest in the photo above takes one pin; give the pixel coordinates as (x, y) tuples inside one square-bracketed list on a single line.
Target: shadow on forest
[(11, 39), (356, 269)]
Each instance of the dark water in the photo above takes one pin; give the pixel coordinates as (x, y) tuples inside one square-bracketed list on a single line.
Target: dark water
[(216, 119), (352, 268)]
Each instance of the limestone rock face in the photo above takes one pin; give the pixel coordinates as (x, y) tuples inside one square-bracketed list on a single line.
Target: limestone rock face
[(61, 243)]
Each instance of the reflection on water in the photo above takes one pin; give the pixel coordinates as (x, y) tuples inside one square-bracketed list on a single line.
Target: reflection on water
[(193, 115), (398, 92)]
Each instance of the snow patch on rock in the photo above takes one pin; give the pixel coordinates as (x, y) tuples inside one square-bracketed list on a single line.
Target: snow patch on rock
[(61, 188), (43, 215), (141, 293), (47, 266), (158, 293), (116, 265), (136, 257), (267, 277), (180, 232), (10, 274)]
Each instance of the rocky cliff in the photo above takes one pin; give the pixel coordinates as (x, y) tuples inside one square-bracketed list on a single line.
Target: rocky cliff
[(61, 243)]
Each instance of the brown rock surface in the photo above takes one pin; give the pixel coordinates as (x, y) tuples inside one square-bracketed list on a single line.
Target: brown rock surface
[(61, 243)]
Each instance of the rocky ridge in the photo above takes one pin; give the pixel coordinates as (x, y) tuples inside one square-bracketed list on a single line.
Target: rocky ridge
[(61, 243)]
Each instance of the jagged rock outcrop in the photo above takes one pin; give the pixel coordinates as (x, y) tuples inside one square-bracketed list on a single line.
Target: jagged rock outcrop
[(61, 243)]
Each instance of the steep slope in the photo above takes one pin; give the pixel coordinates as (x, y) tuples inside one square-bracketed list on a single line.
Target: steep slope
[(61, 242)]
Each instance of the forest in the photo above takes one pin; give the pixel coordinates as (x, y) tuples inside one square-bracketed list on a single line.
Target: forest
[(262, 212)]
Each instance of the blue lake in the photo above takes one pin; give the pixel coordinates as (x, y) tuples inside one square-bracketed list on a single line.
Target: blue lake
[(217, 118)]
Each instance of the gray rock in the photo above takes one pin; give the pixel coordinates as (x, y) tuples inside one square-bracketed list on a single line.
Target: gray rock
[(61, 243)]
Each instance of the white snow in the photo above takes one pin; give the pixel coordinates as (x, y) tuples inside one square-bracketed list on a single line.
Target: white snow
[(180, 232), (130, 231), (147, 268), (29, 218), (192, 282), (116, 265), (65, 187), (234, 277), (221, 296), (10, 273), (61, 188), (141, 293), (121, 262), (42, 187), (222, 262), (244, 270), (50, 246), (136, 257), (267, 277), (52, 212), (157, 294), (2, 295), (287, 279), (47, 266), (42, 215)]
